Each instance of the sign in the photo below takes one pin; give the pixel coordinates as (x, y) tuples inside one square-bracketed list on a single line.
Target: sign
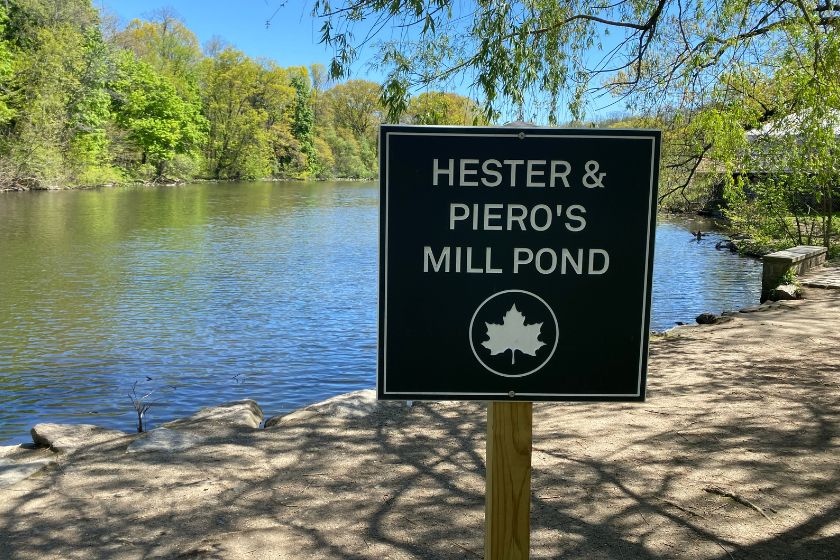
[(515, 263)]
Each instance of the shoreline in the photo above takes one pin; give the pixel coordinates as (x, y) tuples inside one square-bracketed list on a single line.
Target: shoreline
[(23, 437), (749, 408), (179, 182), (304, 410)]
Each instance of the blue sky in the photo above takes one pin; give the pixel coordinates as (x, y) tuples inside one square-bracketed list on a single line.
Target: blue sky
[(291, 39)]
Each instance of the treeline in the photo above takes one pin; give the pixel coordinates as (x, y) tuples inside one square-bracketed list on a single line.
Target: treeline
[(84, 101)]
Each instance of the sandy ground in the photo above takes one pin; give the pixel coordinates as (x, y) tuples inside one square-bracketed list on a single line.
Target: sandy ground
[(734, 456)]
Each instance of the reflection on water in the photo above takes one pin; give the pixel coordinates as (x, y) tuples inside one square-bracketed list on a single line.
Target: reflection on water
[(213, 292)]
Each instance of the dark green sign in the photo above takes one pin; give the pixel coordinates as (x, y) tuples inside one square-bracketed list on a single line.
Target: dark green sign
[(515, 263)]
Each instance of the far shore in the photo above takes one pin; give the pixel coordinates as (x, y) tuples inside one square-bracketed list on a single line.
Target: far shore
[(178, 182)]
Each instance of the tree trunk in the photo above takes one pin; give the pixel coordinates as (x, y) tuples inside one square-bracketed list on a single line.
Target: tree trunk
[(829, 209)]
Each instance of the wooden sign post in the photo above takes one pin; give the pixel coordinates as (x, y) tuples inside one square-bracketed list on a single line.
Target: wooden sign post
[(507, 506)]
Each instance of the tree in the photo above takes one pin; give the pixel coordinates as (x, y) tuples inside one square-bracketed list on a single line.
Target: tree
[(789, 165), (238, 146), (167, 45), (444, 108), (355, 105), (534, 55), (8, 59), (706, 73), (160, 123), (303, 122), (55, 102)]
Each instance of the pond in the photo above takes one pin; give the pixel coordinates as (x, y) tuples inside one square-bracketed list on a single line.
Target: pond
[(210, 292)]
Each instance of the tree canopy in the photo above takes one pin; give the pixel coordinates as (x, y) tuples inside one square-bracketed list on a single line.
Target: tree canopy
[(747, 92), (86, 102), (537, 55)]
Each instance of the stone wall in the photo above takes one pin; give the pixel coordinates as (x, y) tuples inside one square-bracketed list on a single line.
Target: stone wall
[(800, 259)]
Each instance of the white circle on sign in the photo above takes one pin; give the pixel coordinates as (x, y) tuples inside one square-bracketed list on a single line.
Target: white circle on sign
[(513, 352)]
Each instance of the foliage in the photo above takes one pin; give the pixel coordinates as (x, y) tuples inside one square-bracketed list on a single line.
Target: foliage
[(536, 55), (746, 91), (302, 126), (354, 105), (83, 106), (237, 148), (789, 277), (789, 168), (160, 123), (166, 45), (55, 104), (435, 107)]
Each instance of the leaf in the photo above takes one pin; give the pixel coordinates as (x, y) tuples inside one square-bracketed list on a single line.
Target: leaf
[(513, 334)]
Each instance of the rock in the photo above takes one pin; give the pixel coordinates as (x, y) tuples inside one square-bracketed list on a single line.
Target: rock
[(712, 319), (236, 414), (280, 418), (726, 244), (785, 292), (707, 319), (9, 450), (18, 462), (357, 404), (164, 439), (188, 432), (12, 472), (70, 437)]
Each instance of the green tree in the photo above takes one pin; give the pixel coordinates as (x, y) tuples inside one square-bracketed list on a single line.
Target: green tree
[(706, 73), (436, 107), (55, 97), (303, 123), (8, 60), (355, 105), (167, 45), (238, 145), (538, 55), (790, 164), (160, 123)]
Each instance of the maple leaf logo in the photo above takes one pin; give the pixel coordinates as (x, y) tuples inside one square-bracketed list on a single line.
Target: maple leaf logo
[(513, 334)]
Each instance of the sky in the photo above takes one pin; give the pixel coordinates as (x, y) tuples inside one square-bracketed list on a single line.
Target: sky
[(291, 38)]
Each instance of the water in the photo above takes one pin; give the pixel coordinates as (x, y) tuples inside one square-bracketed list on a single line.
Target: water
[(213, 292), (691, 277)]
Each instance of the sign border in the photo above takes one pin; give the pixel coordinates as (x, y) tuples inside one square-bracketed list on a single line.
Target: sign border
[(386, 131)]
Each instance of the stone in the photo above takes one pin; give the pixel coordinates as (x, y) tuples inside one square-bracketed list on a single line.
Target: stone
[(12, 472), (707, 319), (236, 414), (70, 437), (785, 292), (165, 440), (726, 244), (712, 319), (358, 404), (188, 432), (19, 462)]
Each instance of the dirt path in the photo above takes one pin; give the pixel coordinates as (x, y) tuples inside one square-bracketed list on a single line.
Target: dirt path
[(735, 455)]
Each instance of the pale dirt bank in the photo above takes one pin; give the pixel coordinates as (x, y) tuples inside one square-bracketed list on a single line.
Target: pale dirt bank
[(734, 456)]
